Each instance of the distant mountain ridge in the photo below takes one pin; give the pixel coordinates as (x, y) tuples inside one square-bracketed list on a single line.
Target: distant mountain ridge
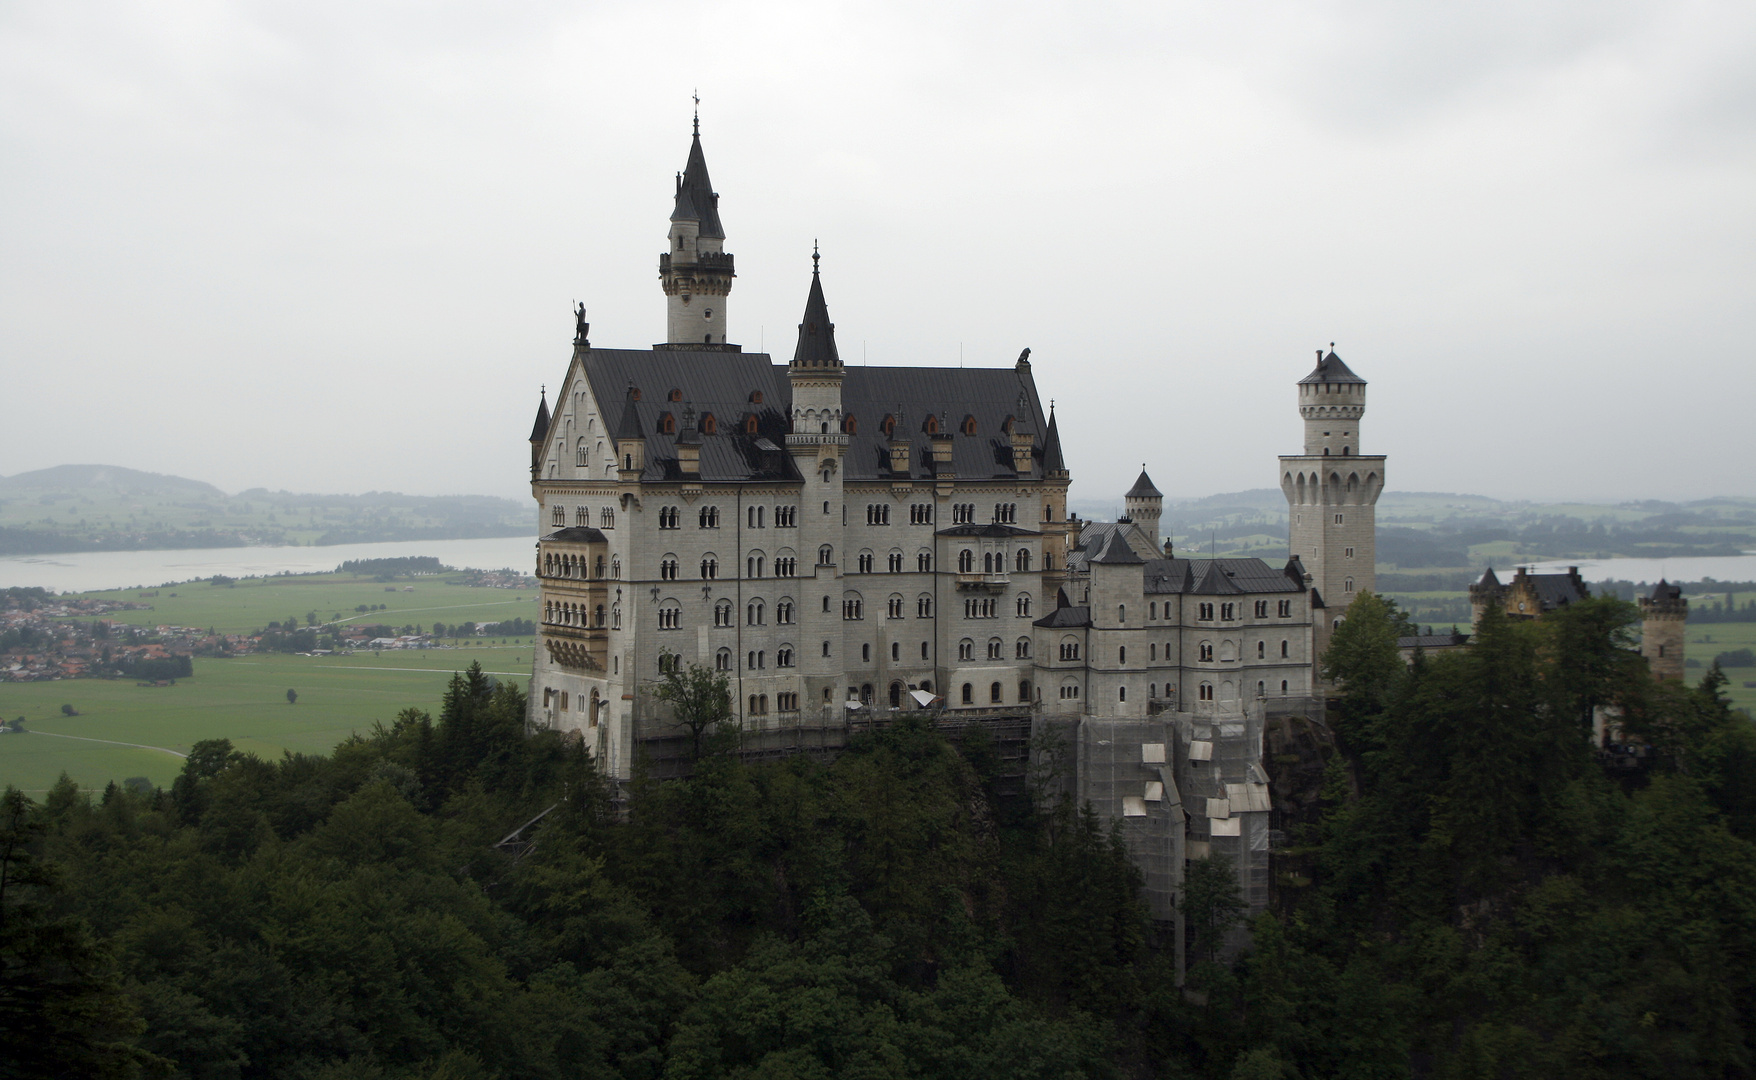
[(113, 478)]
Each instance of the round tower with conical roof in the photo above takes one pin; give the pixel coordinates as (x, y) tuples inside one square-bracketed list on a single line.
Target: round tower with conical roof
[(696, 270), (1663, 617), (1145, 504)]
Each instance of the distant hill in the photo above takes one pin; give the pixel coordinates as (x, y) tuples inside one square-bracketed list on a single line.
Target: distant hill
[(109, 508), (109, 479)]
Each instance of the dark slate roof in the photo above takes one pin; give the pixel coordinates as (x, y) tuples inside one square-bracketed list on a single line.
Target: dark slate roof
[(1559, 590), (1115, 551), (1092, 537), (1066, 615), (1489, 578), (1217, 577), (1330, 369), (540, 430), (578, 534), (1052, 461), (816, 348), (1432, 641), (711, 381), (986, 530), (1143, 488), (1666, 591), (696, 200), (990, 395)]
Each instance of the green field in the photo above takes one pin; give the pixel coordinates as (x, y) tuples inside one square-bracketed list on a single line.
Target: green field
[(253, 603), (1705, 640), (243, 700)]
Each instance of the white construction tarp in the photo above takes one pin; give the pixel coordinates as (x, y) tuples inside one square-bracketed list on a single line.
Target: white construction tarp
[(922, 698)]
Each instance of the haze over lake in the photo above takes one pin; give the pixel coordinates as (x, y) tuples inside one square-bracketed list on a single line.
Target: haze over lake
[(90, 570)]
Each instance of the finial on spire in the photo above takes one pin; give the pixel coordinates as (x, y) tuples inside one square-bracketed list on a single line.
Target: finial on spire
[(814, 258), (697, 96)]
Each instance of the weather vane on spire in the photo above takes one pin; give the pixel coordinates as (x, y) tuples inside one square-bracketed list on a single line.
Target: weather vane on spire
[(814, 257), (697, 96)]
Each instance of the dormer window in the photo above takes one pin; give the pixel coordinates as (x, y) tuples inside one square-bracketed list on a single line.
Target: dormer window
[(709, 426), (931, 427), (755, 397), (969, 425), (674, 395), (667, 424), (888, 425), (750, 424), (850, 426)]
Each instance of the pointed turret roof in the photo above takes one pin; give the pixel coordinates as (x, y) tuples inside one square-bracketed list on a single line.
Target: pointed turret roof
[(540, 430), (629, 426), (1489, 578), (816, 348), (1664, 590), (1143, 488), (696, 199), (1115, 551), (1052, 462), (1330, 369)]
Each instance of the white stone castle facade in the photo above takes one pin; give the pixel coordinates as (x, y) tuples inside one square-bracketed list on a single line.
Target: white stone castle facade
[(843, 541)]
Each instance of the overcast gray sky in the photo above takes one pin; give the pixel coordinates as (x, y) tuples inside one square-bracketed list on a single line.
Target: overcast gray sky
[(332, 246)]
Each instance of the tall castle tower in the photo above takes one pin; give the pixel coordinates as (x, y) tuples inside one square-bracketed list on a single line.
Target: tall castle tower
[(696, 271), (1663, 615), (1332, 493)]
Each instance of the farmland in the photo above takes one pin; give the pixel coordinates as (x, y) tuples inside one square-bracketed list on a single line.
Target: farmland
[(244, 698)]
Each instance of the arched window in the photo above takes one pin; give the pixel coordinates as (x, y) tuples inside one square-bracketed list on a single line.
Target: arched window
[(1023, 562), (969, 425), (755, 397), (969, 694), (1023, 606), (583, 453), (825, 555), (674, 395), (994, 693), (709, 426), (667, 424), (1023, 691), (722, 613), (709, 568), (1121, 613), (1021, 649), (849, 425), (994, 648), (966, 561), (722, 660), (753, 613), (1121, 693), (1122, 654), (750, 424), (1283, 686), (888, 424), (966, 649), (607, 520), (931, 425)]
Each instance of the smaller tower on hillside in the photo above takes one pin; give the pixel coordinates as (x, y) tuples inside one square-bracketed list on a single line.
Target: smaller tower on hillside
[(1145, 504), (696, 270), (1663, 615)]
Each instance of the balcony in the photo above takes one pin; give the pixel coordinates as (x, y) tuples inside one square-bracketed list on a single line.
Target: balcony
[(979, 582)]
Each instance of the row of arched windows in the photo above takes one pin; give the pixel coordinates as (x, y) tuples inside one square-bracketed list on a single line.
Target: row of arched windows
[(582, 517)]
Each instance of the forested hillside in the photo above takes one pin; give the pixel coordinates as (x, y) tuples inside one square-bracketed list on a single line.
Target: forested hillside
[(1476, 894)]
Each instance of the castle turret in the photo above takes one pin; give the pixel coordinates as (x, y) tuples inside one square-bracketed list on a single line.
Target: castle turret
[(539, 434), (1663, 615), (1332, 492), (1144, 504), (696, 271)]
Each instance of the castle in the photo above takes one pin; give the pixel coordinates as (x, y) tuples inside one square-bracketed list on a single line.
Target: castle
[(846, 544), (839, 540)]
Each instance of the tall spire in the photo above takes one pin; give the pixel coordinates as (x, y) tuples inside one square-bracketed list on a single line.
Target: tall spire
[(696, 199), (816, 348), (1052, 461)]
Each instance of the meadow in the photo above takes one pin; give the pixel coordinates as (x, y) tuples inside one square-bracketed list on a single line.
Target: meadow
[(1706, 640), (125, 730)]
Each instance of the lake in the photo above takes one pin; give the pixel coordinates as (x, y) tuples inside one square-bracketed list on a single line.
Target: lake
[(1694, 568), (86, 571)]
